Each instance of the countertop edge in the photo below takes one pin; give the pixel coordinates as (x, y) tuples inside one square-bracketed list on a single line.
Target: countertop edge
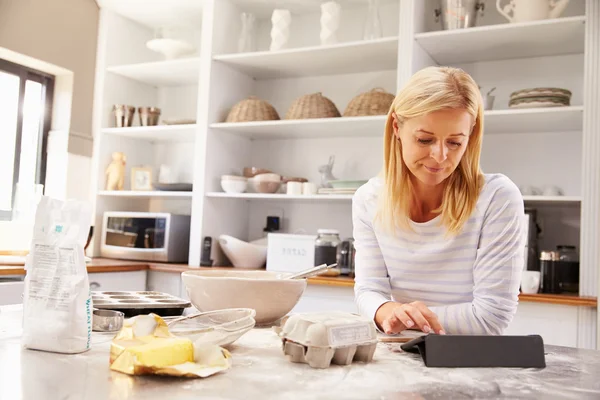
[(106, 265)]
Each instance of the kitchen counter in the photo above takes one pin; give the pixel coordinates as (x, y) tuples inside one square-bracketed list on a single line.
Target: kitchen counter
[(260, 371), (110, 265)]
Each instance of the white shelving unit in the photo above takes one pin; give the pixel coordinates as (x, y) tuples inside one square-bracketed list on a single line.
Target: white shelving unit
[(141, 194), (534, 147), (343, 58)]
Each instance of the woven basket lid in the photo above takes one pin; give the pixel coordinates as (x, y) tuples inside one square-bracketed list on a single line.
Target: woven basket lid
[(374, 102), (313, 105), (252, 109)]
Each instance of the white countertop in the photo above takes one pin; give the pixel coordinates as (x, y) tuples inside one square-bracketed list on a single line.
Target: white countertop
[(260, 371)]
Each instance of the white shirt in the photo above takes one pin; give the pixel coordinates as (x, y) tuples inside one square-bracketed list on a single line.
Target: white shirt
[(470, 280)]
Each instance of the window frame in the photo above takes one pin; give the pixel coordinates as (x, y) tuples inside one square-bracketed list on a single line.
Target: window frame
[(47, 81)]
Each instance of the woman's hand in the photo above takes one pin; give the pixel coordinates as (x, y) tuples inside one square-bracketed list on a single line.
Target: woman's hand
[(394, 317)]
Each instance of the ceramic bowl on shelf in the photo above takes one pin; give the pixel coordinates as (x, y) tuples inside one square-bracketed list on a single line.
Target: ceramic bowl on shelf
[(266, 292), (234, 184), (266, 183), (243, 254), (251, 172), (171, 49)]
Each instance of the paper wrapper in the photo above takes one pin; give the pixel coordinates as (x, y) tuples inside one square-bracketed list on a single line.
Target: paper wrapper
[(144, 346)]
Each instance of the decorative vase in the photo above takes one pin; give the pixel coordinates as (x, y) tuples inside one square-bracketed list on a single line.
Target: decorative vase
[(373, 23), (280, 30), (246, 42), (330, 22)]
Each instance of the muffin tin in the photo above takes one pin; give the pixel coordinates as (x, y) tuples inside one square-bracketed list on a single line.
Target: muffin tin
[(143, 302)]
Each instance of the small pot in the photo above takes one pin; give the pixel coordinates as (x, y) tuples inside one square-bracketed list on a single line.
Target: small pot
[(149, 116), (123, 115)]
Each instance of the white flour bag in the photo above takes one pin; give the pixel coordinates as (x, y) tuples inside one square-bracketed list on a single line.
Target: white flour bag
[(57, 304)]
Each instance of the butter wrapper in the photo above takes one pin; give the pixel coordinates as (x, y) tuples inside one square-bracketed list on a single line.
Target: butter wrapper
[(144, 346)]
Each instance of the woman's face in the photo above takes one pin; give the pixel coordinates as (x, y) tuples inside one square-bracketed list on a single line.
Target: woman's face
[(433, 144)]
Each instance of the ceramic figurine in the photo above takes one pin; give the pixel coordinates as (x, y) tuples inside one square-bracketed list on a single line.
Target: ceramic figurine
[(330, 22), (280, 31), (115, 172), (326, 175)]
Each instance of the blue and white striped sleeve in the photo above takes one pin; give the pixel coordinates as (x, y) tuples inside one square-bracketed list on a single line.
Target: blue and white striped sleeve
[(372, 284), (497, 270)]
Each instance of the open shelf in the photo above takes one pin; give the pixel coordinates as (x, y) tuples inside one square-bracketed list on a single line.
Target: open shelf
[(307, 128), (344, 58), (280, 196), (153, 193), (183, 71), (159, 133), (505, 41), (551, 119), (574, 200), (559, 200)]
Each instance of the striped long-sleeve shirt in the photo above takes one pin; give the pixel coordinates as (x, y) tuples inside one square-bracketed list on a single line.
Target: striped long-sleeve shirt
[(471, 280)]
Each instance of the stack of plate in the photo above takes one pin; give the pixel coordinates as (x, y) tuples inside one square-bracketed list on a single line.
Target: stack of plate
[(540, 97), (342, 187)]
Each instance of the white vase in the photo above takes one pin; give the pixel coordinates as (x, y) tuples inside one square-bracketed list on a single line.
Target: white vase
[(330, 22), (280, 30)]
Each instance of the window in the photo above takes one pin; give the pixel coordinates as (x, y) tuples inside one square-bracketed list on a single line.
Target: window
[(25, 112)]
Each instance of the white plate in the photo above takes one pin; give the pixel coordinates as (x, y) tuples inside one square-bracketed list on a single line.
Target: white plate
[(540, 104)]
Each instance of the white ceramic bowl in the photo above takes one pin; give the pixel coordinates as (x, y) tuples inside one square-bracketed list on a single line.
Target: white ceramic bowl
[(243, 254), (266, 292), (231, 184)]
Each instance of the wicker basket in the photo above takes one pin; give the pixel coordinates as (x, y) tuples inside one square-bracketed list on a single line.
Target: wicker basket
[(252, 109), (374, 102), (312, 106)]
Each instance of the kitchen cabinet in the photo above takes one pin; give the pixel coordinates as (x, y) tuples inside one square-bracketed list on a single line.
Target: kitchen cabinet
[(117, 281), (167, 282), (11, 291), (535, 147)]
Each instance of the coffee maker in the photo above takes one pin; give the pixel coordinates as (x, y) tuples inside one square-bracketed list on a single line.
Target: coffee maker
[(532, 231)]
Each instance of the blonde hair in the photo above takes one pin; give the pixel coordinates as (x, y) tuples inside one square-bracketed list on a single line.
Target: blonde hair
[(433, 89)]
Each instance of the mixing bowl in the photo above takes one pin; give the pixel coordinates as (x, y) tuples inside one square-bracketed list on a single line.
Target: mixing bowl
[(269, 293)]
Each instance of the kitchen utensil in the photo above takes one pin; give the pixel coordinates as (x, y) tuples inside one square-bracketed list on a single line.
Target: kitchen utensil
[(246, 40), (372, 29), (307, 273), (172, 42), (123, 115), (149, 116), (322, 338), (107, 320), (243, 254), (530, 282), (132, 303), (173, 187), (251, 172), (266, 183), (269, 293), (220, 327), (459, 14), (294, 188), (531, 10), (309, 188), (313, 105), (234, 184)]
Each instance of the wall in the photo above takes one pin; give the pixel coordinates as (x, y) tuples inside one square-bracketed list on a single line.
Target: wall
[(64, 33)]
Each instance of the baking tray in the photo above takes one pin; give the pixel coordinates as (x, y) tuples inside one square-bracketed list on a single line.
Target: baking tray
[(132, 303)]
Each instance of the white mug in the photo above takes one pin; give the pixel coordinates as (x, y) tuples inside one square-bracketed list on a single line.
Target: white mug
[(294, 188), (309, 188), (530, 282)]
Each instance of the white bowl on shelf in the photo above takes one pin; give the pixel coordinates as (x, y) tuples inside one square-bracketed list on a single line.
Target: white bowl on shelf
[(234, 184), (243, 254), (170, 48)]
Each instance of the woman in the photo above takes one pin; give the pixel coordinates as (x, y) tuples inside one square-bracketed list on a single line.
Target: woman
[(439, 245)]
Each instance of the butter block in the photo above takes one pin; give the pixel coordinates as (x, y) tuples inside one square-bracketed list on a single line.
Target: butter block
[(164, 352)]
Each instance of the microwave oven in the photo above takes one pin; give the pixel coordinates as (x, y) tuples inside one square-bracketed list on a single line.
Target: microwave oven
[(147, 236)]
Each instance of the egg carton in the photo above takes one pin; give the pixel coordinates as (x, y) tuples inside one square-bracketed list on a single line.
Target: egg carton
[(320, 339), (132, 303)]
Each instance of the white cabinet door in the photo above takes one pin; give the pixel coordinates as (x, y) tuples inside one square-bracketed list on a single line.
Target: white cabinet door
[(166, 282), (11, 292), (118, 281)]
